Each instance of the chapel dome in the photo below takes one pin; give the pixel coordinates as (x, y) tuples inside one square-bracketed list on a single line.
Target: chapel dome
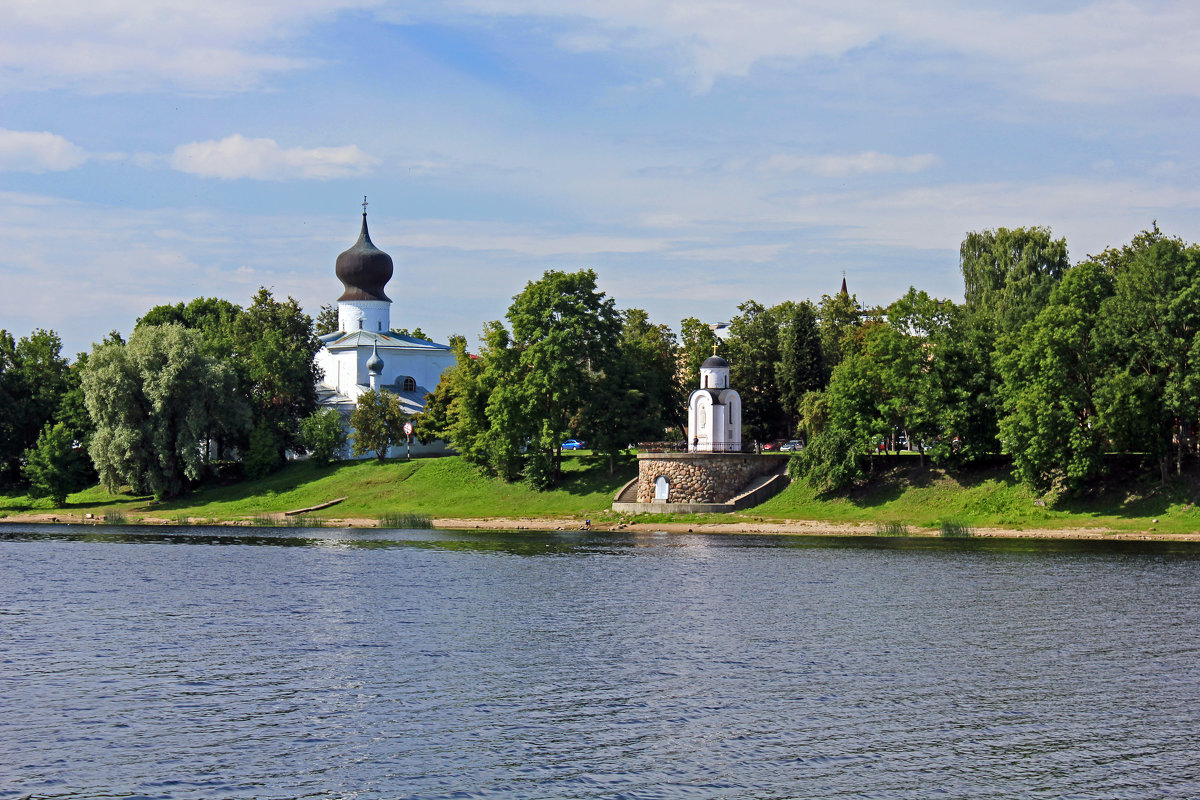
[(715, 362), (364, 269), (375, 363)]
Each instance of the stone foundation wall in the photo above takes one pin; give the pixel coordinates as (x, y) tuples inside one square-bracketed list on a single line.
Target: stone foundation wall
[(700, 477)]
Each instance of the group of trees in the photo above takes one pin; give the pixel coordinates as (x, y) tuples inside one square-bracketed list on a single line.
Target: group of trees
[(1054, 364), (44, 427), (199, 383), (568, 364)]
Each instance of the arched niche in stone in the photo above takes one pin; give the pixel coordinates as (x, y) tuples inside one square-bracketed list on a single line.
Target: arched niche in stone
[(662, 489)]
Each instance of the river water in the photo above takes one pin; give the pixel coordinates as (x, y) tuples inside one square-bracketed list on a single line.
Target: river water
[(219, 663)]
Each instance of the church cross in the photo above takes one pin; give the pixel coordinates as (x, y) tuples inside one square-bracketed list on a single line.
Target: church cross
[(364, 205)]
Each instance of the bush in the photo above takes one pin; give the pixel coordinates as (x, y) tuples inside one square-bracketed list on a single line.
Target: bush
[(830, 462), (262, 456), (54, 468), (323, 435)]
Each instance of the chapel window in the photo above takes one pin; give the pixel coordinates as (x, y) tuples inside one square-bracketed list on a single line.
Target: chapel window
[(410, 385)]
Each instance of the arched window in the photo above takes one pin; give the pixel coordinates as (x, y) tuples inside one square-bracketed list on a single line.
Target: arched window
[(410, 385), (662, 488)]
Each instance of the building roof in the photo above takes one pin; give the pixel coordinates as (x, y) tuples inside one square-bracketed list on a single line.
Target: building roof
[(714, 362), (340, 340), (364, 269)]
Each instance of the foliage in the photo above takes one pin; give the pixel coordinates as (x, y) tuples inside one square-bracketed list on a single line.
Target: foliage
[(326, 321), (955, 530), (801, 366), (697, 341), (753, 369), (831, 461), (1008, 274), (54, 467), (839, 316), (416, 333), (155, 402), (262, 455), (378, 423), (274, 346), (34, 380), (1050, 423), (323, 434)]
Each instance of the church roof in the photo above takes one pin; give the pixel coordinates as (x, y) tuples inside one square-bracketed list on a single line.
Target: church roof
[(364, 269), (340, 340), (714, 362)]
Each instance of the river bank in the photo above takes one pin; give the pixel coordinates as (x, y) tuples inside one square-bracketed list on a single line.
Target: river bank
[(664, 525)]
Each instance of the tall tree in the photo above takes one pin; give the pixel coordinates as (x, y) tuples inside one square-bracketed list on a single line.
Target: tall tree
[(697, 341), (564, 333), (1051, 381), (1008, 273), (753, 358), (153, 401), (34, 379), (1151, 321), (378, 423), (839, 316), (801, 366), (54, 467), (274, 347)]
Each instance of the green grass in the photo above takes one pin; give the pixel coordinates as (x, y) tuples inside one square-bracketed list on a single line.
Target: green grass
[(411, 493), (399, 519), (421, 489), (954, 530), (991, 497)]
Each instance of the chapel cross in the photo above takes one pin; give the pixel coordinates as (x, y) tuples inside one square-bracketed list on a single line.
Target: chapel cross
[(364, 205)]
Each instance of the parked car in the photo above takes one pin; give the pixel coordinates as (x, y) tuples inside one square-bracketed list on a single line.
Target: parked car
[(572, 444), (788, 446)]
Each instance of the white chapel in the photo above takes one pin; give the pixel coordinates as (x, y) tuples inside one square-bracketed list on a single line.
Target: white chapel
[(715, 410), (363, 353)]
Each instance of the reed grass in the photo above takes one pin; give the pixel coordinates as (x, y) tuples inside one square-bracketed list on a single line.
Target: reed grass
[(398, 519), (955, 530), (304, 521), (115, 518), (891, 529)]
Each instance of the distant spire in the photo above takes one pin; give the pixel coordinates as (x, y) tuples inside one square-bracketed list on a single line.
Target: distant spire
[(844, 282)]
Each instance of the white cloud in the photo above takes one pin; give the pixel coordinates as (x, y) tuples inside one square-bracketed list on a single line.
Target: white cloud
[(866, 163), (1092, 51), (263, 159), (29, 151), (121, 45)]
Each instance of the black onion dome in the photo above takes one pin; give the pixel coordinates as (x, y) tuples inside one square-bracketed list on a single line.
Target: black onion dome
[(713, 362), (364, 269)]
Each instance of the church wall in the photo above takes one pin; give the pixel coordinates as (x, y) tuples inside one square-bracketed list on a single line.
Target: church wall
[(375, 316)]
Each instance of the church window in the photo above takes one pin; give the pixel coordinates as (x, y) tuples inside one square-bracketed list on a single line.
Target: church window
[(360, 324), (705, 381), (410, 385), (378, 326)]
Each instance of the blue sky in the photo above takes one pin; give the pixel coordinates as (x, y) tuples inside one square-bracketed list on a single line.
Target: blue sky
[(695, 153)]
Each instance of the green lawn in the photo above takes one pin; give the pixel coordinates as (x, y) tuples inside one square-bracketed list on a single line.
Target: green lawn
[(449, 487), (437, 487)]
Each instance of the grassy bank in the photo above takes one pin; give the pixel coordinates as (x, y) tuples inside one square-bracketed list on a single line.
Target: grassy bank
[(449, 487), (436, 487), (990, 497)]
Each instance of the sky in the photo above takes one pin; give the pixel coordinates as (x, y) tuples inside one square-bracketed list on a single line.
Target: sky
[(694, 153)]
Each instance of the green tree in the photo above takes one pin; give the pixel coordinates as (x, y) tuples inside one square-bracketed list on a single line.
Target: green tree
[(1151, 400), (1050, 423), (754, 356), (326, 321), (378, 423), (154, 401), (324, 435), (34, 379), (274, 347), (54, 466), (1008, 274), (564, 334), (697, 341), (801, 365), (839, 316)]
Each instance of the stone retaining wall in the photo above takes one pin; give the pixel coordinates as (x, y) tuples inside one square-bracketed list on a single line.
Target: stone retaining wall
[(701, 477)]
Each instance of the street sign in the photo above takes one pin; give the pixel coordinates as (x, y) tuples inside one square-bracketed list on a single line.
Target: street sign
[(408, 429)]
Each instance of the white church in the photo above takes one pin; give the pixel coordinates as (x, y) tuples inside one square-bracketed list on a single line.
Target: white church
[(715, 410), (364, 353)]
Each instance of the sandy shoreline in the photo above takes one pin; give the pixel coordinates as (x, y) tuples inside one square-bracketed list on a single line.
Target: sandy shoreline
[(779, 527)]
